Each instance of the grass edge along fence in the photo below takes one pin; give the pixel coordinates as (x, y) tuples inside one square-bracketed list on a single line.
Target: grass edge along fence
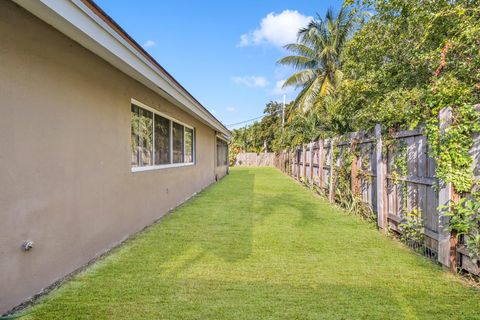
[(389, 180)]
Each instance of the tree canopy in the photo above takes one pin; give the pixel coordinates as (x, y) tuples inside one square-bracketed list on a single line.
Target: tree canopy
[(317, 56), (393, 62)]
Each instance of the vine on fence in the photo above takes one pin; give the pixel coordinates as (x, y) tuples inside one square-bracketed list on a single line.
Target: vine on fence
[(455, 165), (343, 190), (465, 221), (400, 162), (400, 169), (363, 171), (413, 227), (450, 149)]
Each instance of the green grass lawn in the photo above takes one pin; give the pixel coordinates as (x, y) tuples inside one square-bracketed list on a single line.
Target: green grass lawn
[(259, 246)]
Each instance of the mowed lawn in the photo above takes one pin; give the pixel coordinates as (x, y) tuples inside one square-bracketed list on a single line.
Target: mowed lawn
[(259, 246)]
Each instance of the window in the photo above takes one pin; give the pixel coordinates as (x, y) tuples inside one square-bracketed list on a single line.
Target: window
[(222, 153), (158, 141)]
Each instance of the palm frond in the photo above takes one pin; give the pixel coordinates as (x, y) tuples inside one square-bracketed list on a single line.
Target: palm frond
[(298, 62), (300, 78), (318, 57), (312, 92)]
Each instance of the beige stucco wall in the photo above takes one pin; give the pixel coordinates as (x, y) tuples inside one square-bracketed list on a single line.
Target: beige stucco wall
[(65, 175), (221, 171)]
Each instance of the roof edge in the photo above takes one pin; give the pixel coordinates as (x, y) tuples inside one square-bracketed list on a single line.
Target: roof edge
[(87, 24)]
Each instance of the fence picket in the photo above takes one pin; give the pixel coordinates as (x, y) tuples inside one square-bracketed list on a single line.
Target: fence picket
[(313, 165), (320, 163), (381, 179), (331, 185)]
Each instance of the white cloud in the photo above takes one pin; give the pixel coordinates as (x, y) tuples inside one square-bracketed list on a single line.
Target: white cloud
[(278, 29), (244, 40), (278, 90), (251, 81), (231, 109), (149, 43)]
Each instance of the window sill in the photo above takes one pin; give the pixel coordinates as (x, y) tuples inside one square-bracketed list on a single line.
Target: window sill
[(163, 166)]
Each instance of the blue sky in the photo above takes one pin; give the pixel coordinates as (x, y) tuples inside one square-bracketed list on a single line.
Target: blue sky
[(223, 52)]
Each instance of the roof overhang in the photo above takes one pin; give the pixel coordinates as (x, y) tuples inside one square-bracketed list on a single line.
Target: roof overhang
[(88, 25)]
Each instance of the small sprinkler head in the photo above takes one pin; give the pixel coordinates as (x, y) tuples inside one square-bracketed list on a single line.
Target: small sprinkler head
[(27, 245)]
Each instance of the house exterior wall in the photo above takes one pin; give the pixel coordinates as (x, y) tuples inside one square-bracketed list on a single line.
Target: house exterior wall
[(65, 172), (220, 169)]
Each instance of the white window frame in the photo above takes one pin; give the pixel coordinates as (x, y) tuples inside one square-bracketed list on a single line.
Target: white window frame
[(171, 119)]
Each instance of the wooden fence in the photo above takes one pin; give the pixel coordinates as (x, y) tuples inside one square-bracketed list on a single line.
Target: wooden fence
[(252, 159), (389, 189)]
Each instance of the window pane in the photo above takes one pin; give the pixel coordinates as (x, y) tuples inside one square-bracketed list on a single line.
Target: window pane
[(135, 136), (177, 134), (142, 137), (188, 145), (162, 140)]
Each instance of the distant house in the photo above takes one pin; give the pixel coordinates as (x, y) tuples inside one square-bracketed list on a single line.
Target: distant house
[(97, 141)]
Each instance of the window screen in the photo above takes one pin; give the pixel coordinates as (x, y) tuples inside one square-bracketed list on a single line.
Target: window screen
[(222, 153), (188, 145), (162, 140), (178, 138), (142, 137)]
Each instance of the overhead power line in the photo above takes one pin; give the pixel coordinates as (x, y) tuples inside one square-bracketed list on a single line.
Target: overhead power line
[(253, 119), (242, 122)]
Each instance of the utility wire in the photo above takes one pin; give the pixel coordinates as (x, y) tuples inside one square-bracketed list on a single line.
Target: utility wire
[(249, 120), (234, 124)]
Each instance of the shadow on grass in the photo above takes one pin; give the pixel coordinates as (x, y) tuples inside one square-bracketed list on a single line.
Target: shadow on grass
[(199, 263), (287, 200)]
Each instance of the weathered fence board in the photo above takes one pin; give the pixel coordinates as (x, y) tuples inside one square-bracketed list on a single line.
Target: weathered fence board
[(252, 159)]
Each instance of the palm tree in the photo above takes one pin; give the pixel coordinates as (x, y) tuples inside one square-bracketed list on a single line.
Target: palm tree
[(317, 56)]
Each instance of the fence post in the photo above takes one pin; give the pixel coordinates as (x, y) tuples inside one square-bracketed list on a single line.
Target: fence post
[(304, 162), (331, 191), (320, 163), (297, 159), (381, 180), (312, 144), (293, 162), (447, 254), (354, 171), (286, 161), (290, 162), (294, 169)]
